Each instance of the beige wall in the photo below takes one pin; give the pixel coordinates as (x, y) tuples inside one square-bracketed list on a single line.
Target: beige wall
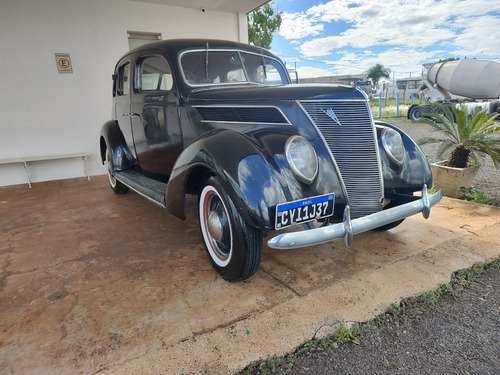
[(44, 112)]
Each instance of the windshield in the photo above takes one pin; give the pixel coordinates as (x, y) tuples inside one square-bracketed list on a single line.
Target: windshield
[(209, 67)]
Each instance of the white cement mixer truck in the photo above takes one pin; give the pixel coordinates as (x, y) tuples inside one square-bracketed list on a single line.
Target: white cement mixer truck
[(470, 83)]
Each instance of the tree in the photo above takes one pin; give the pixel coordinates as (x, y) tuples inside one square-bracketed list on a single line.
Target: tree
[(262, 22), (376, 72), (469, 136), (448, 59)]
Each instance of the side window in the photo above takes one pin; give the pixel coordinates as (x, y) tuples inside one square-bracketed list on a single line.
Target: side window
[(154, 74), (123, 80)]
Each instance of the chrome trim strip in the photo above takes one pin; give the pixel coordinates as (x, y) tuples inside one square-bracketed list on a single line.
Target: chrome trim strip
[(332, 100), (243, 123), (293, 240)]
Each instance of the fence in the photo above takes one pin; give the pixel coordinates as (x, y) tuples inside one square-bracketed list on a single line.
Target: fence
[(390, 108)]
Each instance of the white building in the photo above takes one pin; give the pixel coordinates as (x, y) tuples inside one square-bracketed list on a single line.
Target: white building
[(49, 107)]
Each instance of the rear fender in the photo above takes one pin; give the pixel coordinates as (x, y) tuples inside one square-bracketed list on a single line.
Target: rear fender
[(112, 139)]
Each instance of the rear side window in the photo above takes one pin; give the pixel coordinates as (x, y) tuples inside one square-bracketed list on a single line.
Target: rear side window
[(154, 74)]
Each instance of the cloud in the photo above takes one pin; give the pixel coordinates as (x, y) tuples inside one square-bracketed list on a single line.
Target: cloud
[(321, 46), (311, 71), (377, 24), (402, 62), (397, 33), (298, 26), (479, 35)]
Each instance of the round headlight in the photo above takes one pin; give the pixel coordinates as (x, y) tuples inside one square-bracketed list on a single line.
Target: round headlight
[(302, 158), (393, 145)]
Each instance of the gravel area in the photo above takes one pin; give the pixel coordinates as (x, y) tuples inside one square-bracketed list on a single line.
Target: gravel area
[(488, 178), (458, 334)]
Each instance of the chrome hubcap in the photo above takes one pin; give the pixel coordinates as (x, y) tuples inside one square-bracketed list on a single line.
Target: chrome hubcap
[(214, 225), (112, 179), (217, 226)]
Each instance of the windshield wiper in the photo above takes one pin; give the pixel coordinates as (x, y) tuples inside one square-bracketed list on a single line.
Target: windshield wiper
[(206, 64), (263, 62)]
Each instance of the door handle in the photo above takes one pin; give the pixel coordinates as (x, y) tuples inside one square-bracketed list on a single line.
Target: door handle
[(132, 114)]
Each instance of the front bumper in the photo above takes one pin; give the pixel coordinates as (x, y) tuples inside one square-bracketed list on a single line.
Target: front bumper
[(348, 227)]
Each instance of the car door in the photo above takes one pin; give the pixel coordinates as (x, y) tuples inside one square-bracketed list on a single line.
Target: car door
[(155, 123), (121, 93)]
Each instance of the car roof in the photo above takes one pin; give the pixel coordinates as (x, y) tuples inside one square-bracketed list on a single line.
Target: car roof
[(173, 46)]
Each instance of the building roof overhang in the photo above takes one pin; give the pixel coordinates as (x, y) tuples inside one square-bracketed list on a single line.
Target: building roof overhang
[(231, 6)]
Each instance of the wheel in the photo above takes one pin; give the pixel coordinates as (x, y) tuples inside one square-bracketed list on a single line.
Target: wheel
[(116, 185), (233, 247), (440, 112), (415, 113), (388, 226), (393, 224)]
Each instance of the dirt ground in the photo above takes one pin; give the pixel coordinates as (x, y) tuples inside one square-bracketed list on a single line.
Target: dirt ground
[(460, 334)]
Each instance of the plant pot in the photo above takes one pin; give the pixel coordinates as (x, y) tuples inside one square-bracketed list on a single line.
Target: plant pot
[(450, 179)]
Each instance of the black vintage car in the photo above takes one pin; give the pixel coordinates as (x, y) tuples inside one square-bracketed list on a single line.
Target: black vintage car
[(222, 120)]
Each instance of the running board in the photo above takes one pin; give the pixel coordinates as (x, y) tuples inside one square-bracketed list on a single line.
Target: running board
[(142, 185)]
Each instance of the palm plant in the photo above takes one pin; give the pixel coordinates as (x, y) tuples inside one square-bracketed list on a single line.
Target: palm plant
[(468, 136), (376, 72)]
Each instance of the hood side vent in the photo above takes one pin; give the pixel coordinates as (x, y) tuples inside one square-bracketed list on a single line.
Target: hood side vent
[(261, 115)]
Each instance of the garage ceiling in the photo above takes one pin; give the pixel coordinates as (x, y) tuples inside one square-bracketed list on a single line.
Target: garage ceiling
[(233, 6)]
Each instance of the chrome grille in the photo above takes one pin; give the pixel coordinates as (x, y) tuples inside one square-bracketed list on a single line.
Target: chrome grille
[(347, 129)]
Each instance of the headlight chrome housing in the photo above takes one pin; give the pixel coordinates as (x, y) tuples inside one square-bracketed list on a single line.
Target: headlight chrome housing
[(302, 158), (393, 145)]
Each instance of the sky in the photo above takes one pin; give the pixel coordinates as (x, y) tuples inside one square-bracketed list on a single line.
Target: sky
[(324, 38)]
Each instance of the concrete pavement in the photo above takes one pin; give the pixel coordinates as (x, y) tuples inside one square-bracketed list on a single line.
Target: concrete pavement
[(93, 282)]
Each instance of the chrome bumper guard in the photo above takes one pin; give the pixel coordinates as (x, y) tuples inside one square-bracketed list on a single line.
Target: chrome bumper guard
[(348, 227)]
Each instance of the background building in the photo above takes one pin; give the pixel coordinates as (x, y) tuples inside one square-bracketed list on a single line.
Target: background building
[(56, 62)]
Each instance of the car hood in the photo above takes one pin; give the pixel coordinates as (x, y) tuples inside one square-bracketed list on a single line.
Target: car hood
[(259, 93)]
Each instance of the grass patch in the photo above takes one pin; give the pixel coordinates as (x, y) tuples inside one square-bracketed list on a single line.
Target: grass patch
[(431, 298), (344, 335), (389, 107), (341, 336), (270, 366), (477, 196), (466, 276)]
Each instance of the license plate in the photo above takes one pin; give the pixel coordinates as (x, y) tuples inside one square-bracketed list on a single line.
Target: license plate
[(304, 210)]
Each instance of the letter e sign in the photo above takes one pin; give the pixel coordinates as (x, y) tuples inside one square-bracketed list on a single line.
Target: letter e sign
[(63, 61)]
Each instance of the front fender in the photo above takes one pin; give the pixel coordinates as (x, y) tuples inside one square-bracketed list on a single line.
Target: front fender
[(112, 139), (252, 169), (246, 175), (412, 174)]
